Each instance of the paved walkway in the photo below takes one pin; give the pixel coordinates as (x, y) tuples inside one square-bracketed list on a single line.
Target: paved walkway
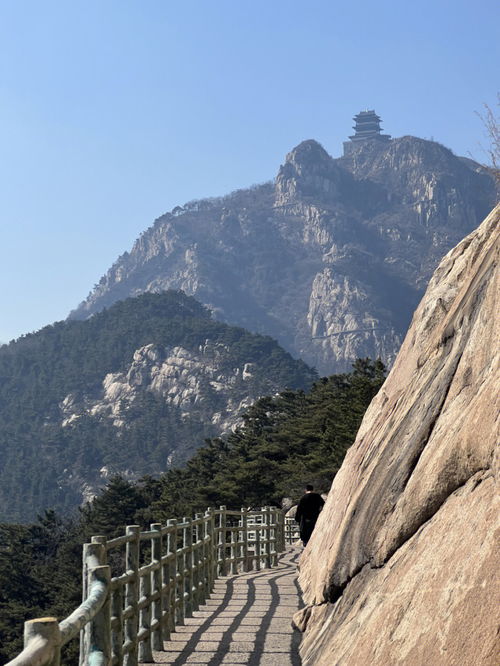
[(247, 620)]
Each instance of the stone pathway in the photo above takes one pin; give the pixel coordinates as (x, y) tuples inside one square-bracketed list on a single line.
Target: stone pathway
[(247, 620)]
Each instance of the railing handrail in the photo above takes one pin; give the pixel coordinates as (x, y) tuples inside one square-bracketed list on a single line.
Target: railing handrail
[(38, 651), (44, 637), (123, 618)]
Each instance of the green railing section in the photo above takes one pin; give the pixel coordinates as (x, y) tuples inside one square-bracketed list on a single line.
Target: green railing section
[(138, 587)]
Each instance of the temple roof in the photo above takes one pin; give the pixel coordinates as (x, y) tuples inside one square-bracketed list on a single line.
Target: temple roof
[(367, 127)]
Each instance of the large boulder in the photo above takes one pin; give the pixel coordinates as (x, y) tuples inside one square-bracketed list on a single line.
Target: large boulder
[(403, 565)]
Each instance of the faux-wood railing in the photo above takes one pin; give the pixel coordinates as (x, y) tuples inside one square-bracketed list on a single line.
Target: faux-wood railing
[(291, 528), (169, 572)]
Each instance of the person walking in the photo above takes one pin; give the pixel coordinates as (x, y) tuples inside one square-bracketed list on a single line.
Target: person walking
[(308, 510)]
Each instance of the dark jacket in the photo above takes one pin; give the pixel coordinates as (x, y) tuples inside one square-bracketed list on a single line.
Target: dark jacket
[(309, 507)]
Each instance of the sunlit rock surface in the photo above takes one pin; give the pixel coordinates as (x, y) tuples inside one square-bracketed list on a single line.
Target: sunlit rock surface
[(403, 565)]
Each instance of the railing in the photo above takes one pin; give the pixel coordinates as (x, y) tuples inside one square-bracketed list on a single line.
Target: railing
[(169, 571), (291, 530)]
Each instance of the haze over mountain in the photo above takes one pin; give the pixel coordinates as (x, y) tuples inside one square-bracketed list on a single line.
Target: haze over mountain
[(330, 259), (134, 390)]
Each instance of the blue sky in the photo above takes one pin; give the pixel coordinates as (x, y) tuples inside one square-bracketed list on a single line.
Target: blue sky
[(112, 112)]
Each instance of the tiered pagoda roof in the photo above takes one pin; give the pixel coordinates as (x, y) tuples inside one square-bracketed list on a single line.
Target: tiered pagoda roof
[(367, 127)]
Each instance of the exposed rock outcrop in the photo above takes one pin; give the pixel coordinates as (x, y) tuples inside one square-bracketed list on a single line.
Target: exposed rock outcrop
[(403, 565), (330, 259), (197, 382), (135, 390)]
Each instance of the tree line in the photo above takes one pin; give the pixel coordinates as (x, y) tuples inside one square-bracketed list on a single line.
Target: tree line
[(285, 441)]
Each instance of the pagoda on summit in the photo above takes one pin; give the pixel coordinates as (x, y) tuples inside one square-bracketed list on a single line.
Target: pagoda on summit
[(367, 128)]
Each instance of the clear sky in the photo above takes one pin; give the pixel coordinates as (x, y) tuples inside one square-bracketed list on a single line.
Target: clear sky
[(114, 111)]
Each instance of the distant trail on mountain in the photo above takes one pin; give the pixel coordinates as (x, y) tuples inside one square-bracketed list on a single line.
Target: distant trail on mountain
[(352, 330), (331, 245)]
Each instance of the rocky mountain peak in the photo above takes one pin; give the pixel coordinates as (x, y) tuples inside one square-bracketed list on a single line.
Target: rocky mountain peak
[(421, 172), (330, 260), (308, 171), (309, 154)]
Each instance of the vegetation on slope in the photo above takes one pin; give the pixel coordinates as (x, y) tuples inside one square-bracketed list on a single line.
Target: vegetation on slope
[(286, 441), (47, 465)]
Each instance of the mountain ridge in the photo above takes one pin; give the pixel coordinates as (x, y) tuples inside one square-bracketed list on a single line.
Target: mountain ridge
[(334, 247)]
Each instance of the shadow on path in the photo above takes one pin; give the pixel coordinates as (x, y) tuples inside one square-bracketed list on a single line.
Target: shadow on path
[(251, 624)]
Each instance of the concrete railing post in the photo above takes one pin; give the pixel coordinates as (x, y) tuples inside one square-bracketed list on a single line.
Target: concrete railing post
[(194, 563), (282, 528), (180, 567), (207, 550), (171, 610), (100, 626), (244, 540), (275, 537), (132, 594), (45, 632), (117, 618), (212, 549), (188, 566), (201, 573), (265, 537), (145, 653), (222, 541), (94, 554), (269, 534), (265, 531), (234, 550), (257, 547), (157, 585)]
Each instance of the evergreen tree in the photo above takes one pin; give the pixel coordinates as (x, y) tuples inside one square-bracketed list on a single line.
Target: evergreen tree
[(285, 441)]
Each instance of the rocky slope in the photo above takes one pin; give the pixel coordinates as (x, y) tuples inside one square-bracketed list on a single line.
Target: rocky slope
[(181, 377), (403, 565), (330, 259), (134, 390)]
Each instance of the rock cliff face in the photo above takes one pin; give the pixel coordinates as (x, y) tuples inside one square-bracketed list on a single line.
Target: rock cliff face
[(330, 260), (403, 565), (180, 377)]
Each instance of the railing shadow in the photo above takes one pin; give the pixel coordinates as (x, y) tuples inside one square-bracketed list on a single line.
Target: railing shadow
[(147, 582), (260, 642)]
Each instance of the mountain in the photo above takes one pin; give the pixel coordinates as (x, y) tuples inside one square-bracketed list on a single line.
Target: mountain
[(133, 390), (403, 565), (330, 259)]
